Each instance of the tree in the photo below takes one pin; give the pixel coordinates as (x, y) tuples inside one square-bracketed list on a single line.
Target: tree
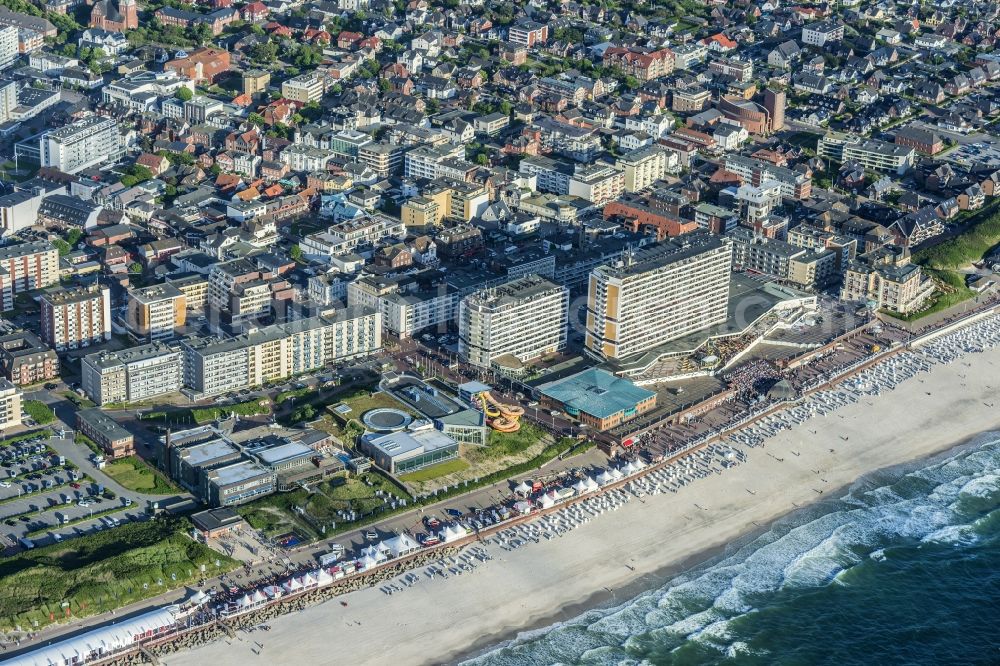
[(264, 53), (129, 181), (62, 246), (482, 159), (135, 267), (256, 119), (304, 413), (202, 33), (295, 252), (183, 94)]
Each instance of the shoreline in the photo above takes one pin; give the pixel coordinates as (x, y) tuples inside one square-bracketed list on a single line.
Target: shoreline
[(603, 600), (553, 581)]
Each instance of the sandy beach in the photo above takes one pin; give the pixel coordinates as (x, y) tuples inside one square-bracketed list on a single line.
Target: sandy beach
[(439, 621)]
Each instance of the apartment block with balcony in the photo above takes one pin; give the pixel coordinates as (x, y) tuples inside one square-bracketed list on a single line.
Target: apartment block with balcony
[(658, 294), (132, 375), (27, 266), (156, 312), (25, 359), (76, 318), (522, 319)]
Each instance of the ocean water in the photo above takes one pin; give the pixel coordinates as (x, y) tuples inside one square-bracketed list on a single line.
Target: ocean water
[(902, 569)]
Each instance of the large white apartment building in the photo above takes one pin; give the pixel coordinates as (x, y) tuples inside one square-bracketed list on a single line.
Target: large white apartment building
[(658, 294), (406, 308), (644, 166), (76, 318), (551, 175), (432, 161), (599, 183), (82, 144), (213, 365), (821, 32), (304, 88), (8, 46), (872, 154), (794, 184), (524, 318), (154, 312), (26, 266), (132, 375)]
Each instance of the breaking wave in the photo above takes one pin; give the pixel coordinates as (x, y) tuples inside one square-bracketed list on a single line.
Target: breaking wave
[(737, 607)]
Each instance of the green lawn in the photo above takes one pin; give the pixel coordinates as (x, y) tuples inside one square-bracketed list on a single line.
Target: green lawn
[(98, 572), (503, 444), (951, 291), (39, 411), (967, 247), (206, 414), (44, 432), (435, 471), (81, 403), (349, 425), (364, 401), (135, 474), (279, 513)]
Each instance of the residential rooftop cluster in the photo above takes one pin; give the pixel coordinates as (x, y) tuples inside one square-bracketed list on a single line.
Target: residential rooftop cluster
[(248, 191)]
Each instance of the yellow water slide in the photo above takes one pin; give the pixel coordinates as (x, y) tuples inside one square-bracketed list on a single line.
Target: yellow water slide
[(500, 416)]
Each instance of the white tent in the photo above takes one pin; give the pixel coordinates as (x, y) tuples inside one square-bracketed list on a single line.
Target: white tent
[(452, 533), (273, 591), (291, 585), (376, 552), (523, 489), (615, 473), (323, 578), (629, 469), (258, 597), (245, 601), (367, 562), (109, 639), (580, 487), (523, 508), (591, 484), (308, 579), (401, 545), (199, 598), (604, 478), (546, 501)]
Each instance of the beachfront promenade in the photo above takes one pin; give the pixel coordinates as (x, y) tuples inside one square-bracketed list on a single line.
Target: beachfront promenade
[(699, 443), (691, 444), (791, 460)]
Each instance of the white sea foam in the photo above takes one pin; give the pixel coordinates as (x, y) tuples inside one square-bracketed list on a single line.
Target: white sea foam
[(703, 604), (982, 486)]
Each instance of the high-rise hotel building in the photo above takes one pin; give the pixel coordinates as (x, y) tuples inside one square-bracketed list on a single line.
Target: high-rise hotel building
[(525, 318), (658, 294)]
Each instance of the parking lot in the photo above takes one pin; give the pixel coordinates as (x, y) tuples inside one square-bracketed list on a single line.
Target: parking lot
[(44, 497), (981, 152)]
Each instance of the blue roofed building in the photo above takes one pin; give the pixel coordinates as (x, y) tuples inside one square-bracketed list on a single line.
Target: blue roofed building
[(598, 398)]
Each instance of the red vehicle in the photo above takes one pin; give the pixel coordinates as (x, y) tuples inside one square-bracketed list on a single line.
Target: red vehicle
[(74, 485), (433, 523), (430, 540)]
